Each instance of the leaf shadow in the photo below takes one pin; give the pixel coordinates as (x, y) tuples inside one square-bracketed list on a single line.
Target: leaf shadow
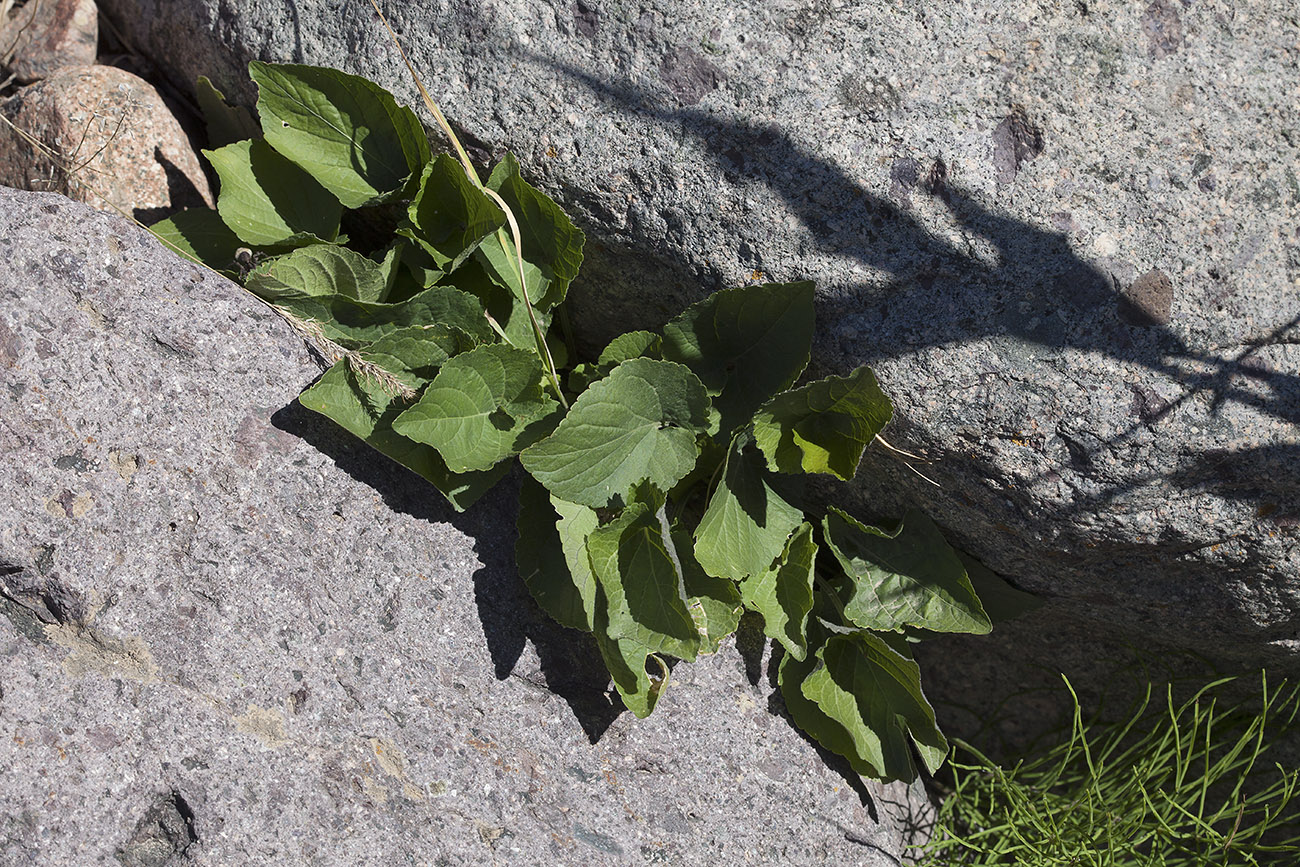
[(833, 761), (568, 663), (1030, 286)]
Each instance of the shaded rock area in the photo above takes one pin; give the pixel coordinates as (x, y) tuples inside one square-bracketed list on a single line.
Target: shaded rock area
[(233, 635), (102, 136), (1066, 235)]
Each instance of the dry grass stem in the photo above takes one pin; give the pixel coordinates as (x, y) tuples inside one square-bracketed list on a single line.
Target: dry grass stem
[(387, 382), (906, 462), (543, 349), (311, 331), (6, 6)]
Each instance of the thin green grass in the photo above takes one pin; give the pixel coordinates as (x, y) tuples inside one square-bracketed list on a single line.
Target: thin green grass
[(1169, 786)]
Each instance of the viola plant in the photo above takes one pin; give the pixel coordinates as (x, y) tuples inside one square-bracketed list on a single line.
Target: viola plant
[(660, 495)]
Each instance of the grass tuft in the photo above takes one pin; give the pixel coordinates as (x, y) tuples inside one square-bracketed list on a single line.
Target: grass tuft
[(1169, 786)]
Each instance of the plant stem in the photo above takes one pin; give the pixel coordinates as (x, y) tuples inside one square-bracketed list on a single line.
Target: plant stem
[(543, 350), (829, 592)]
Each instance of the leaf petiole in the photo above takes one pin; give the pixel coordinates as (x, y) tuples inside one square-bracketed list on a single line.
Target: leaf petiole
[(543, 350)]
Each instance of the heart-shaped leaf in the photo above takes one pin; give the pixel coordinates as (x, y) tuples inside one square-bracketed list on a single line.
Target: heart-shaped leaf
[(640, 422), (346, 132), (744, 344), (626, 661), (747, 523), (822, 427), (908, 578), (366, 410), (861, 698), (479, 408), (321, 270), (266, 199), (714, 603), (508, 311), (552, 245), (354, 324), (450, 215), (784, 593), (225, 123), (625, 347), (641, 583)]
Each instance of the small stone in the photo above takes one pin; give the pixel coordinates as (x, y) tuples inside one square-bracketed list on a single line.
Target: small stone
[(115, 138), (40, 38)]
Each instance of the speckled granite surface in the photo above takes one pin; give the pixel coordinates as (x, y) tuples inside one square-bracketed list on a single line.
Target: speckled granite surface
[(1064, 233), (232, 636)]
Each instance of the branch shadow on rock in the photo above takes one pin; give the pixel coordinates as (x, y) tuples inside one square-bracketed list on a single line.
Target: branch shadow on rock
[(1029, 287), (568, 663), (1022, 291)]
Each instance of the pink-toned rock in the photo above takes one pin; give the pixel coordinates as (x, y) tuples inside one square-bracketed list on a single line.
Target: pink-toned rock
[(119, 147), (43, 36)]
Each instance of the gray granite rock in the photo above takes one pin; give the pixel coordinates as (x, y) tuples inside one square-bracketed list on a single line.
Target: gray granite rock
[(1065, 234), (231, 635)]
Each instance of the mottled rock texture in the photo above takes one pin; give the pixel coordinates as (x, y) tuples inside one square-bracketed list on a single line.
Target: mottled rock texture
[(231, 635), (1065, 234), (41, 37), (103, 136)]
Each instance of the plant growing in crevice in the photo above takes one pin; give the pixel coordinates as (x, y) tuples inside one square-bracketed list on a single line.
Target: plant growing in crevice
[(661, 495), (1166, 786)]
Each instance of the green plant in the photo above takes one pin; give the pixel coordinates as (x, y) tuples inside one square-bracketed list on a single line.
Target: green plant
[(1167, 786), (660, 500)]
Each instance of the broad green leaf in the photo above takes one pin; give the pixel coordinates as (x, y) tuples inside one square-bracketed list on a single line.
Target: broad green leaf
[(745, 344), (500, 266), (390, 265), (365, 410), (266, 199), (225, 123), (873, 693), (747, 523), (412, 270), (415, 353), (642, 585), (353, 324), (714, 603), (824, 426), (810, 718), (552, 245), (450, 215), (346, 132), (552, 555), (480, 407), (626, 661), (508, 311), (910, 577), (783, 595), (640, 422), (199, 234), (632, 344), (321, 270)]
